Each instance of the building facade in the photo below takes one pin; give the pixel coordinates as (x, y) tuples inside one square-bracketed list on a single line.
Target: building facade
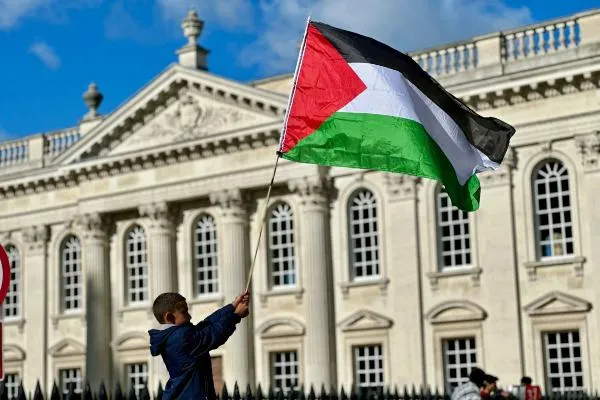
[(361, 277)]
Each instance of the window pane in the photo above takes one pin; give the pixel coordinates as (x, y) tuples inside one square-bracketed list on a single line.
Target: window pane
[(12, 305), (284, 370), (206, 256), (281, 246), (454, 244), (137, 266), (553, 210), (71, 274), (137, 376), (70, 377), (364, 235), (368, 366), (11, 383), (564, 371), (460, 356)]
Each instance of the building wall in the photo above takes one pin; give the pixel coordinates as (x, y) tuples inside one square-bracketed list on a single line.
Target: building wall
[(495, 311)]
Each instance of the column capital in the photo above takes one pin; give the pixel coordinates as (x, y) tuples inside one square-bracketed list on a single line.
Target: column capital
[(35, 237), (313, 191), (159, 213), (93, 225), (233, 203), (588, 146)]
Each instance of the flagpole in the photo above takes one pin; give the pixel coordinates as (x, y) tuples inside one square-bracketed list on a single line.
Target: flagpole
[(279, 153)]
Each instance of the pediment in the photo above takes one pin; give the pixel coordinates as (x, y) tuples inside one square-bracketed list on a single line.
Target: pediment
[(364, 320), (456, 311), (179, 105), (131, 341), (13, 352), (67, 347), (280, 327), (557, 303)]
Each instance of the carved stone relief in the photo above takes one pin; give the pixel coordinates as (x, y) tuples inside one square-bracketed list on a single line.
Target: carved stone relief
[(190, 117)]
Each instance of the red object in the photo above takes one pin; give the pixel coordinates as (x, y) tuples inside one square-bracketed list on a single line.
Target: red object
[(533, 392), (5, 264), (325, 84), (2, 350)]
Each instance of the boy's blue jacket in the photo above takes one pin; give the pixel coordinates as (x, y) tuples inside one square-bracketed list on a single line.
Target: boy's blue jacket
[(185, 352)]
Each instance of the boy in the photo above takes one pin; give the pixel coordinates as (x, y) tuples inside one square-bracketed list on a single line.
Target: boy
[(185, 347)]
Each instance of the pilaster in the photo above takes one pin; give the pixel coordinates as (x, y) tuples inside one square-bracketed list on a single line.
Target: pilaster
[(234, 263), (35, 305), (315, 257), (98, 307)]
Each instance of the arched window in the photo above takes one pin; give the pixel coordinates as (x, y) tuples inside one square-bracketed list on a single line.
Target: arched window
[(70, 274), (454, 238), (136, 266), (281, 246), (364, 235), (206, 261), (552, 202), (12, 303)]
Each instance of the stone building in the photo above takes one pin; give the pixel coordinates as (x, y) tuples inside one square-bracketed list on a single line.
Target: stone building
[(363, 277)]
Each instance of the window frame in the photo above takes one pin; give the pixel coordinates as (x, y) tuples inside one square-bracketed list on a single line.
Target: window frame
[(547, 381), (216, 256), (128, 376), (353, 350), (294, 247), (127, 277), (441, 268), (18, 281), (61, 382), (272, 366), (350, 245), (447, 384), (62, 276), (536, 214)]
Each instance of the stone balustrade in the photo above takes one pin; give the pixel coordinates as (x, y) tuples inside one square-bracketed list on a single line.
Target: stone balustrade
[(34, 150), (498, 48)]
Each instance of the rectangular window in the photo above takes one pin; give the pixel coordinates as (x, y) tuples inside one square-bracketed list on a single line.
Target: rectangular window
[(564, 370), (368, 366), (137, 376), (454, 238), (70, 377), (11, 383), (460, 355), (284, 370)]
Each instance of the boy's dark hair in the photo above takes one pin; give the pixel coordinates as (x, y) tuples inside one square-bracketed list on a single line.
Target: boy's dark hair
[(526, 380), (165, 303)]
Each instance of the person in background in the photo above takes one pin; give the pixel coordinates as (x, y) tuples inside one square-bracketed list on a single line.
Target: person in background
[(474, 387), (526, 381)]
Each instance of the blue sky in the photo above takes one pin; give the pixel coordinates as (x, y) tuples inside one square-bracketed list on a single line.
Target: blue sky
[(52, 49)]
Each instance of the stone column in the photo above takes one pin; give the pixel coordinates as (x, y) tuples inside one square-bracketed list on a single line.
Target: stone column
[(35, 306), (234, 262), (162, 266), (316, 276), (98, 361)]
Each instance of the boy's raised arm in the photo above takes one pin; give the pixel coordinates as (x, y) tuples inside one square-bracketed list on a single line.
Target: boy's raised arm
[(223, 311), (207, 337)]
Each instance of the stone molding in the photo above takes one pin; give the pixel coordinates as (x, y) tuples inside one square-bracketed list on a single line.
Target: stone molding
[(36, 237), (280, 327), (575, 262), (312, 191), (469, 312), (364, 319), (400, 186), (93, 226), (588, 146), (556, 302), (159, 214), (232, 203)]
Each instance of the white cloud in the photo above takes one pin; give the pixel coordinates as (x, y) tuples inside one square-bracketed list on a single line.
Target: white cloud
[(404, 24), (13, 11), (228, 14), (46, 54)]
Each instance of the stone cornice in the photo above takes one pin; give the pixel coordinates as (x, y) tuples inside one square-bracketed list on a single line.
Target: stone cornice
[(71, 175), (531, 89)]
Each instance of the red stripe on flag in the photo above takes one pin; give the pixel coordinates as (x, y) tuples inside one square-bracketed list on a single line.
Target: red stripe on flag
[(324, 85)]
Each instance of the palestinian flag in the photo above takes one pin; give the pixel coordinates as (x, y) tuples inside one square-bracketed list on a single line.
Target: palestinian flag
[(359, 103)]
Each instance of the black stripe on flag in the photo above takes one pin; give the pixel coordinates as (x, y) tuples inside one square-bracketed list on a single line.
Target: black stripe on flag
[(490, 135)]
